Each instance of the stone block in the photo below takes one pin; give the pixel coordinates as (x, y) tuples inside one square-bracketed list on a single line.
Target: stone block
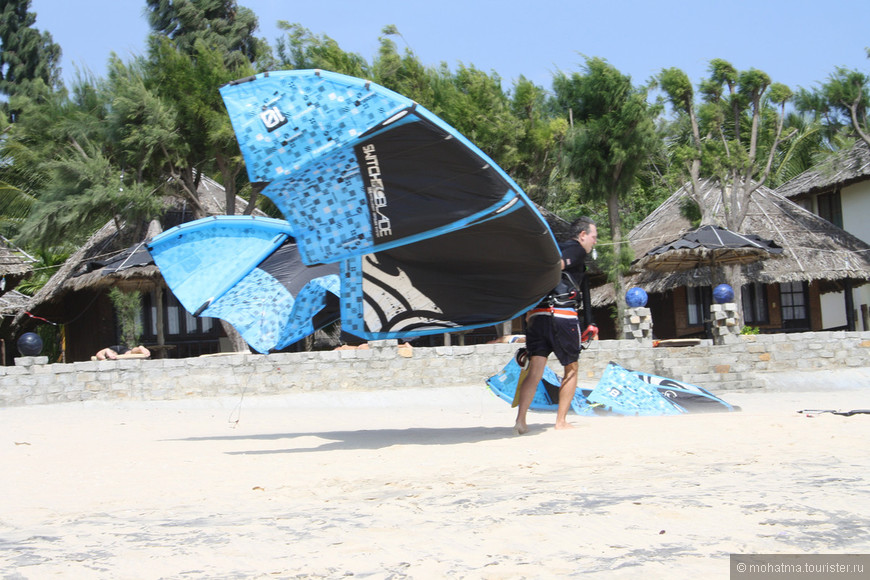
[(29, 361)]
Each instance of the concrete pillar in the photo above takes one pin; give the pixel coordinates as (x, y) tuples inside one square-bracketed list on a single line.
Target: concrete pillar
[(637, 324), (724, 320)]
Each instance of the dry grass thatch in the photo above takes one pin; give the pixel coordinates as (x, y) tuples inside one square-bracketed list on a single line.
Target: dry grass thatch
[(14, 262), (12, 302), (707, 246), (844, 168), (813, 248)]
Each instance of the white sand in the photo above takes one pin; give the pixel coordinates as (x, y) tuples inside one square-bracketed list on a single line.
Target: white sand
[(424, 484)]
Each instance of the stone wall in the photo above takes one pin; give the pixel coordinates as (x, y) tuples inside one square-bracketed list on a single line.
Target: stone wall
[(744, 364)]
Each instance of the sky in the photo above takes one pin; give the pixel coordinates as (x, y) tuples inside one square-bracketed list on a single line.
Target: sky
[(796, 42)]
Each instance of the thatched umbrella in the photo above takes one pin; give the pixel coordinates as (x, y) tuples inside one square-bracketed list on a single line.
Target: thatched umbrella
[(709, 246)]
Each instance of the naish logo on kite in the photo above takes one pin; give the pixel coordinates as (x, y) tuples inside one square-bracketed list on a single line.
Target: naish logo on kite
[(377, 196), (272, 118)]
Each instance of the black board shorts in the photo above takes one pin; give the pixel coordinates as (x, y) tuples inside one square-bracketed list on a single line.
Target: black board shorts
[(547, 334)]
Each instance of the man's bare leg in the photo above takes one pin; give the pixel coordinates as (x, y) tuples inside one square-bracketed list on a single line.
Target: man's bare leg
[(566, 395), (527, 388)]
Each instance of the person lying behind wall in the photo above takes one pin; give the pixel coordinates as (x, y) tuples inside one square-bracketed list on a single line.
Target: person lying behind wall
[(115, 352)]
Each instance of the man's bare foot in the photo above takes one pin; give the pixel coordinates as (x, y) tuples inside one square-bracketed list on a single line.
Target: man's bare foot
[(564, 425), (520, 429)]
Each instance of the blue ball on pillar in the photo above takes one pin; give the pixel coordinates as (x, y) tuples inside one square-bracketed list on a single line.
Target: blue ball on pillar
[(723, 293), (636, 297), (29, 344)]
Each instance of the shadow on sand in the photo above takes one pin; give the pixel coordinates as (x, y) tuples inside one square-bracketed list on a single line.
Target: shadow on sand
[(374, 438)]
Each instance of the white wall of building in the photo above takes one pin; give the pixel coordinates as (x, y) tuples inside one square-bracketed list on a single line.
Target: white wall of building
[(855, 201)]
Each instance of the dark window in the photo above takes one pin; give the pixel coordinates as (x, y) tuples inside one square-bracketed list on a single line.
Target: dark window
[(755, 303), (830, 208), (695, 306), (177, 321), (806, 203), (794, 297), (186, 335), (699, 300)]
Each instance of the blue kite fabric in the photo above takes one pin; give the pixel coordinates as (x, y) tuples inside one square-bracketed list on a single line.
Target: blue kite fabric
[(622, 392), (619, 391), (357, 168), (246, 271), (427, 233), (505, 383), (686, 397), (394, 223)]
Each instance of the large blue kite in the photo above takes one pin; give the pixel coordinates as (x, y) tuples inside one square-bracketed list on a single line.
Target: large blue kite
[(429, 235)]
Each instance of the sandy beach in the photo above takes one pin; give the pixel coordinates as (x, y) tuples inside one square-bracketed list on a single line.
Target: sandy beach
[(424, 484)]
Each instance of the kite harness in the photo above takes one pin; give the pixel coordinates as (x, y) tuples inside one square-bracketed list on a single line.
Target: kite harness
[(563, 302)]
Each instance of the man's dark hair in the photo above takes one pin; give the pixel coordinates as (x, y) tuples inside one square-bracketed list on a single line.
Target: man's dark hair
[(581, 224)]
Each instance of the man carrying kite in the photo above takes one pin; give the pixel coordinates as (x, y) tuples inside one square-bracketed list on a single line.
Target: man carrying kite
[(554, 325)]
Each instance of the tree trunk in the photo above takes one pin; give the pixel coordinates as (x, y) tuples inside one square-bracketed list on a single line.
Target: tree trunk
[(229, 172), (732, 276), (616, 234), (238, 343), (735, 279)]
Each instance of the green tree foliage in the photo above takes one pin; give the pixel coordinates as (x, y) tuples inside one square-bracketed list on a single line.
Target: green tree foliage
[(611, 140), (299, 49), (202, 135), (841, 103), (66, 159), (26, 55), (59, 134), (15, 205), (82, 193), (474, 103), (809, 144), (541, 135), (127, 307), (404, 73), (196, 47), (143, 127), (222, 25), (735, 133)]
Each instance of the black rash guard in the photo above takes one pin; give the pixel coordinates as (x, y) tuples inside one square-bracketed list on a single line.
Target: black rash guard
[(574, 281)]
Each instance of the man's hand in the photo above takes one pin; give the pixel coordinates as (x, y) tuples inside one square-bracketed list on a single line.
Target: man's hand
[(591, 333)]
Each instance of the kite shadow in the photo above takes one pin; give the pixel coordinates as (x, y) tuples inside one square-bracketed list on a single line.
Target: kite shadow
[(371, 439)]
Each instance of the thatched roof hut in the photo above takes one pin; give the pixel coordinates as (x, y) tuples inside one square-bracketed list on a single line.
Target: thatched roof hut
[(84, 269), (814, 249), (837, 171)]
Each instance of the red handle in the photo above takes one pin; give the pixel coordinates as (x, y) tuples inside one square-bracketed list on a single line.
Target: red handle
[(590, 333)]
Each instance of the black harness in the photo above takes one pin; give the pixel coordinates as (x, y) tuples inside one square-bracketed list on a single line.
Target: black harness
[(566, 294)]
